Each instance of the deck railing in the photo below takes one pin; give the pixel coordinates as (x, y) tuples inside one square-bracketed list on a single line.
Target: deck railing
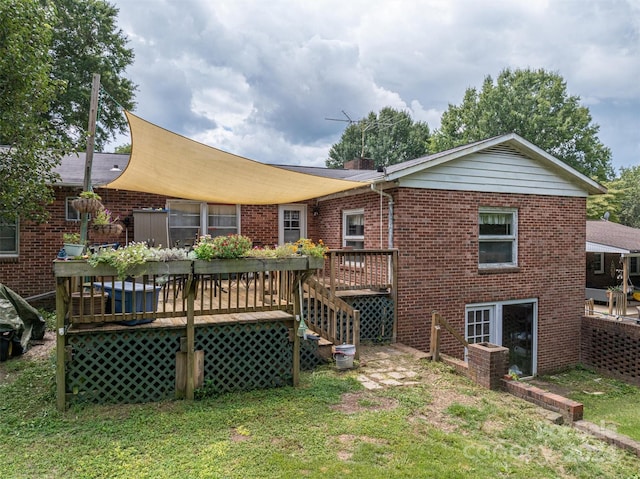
[(329, 316), (372, 269)]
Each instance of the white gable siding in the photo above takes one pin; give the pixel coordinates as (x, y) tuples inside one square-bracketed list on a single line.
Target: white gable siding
[(499, 169)]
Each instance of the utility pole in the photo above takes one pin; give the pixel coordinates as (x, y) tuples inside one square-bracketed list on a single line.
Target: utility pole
[(91, 140)]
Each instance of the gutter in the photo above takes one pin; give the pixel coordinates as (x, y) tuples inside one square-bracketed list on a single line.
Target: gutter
[(383, 193)]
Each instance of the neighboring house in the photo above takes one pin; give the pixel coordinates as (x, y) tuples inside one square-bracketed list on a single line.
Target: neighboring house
[(613, 258), (491, 235)]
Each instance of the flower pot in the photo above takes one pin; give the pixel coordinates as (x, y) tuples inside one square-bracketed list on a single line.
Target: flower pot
[(86, 205), (73, 250), (111, 229)]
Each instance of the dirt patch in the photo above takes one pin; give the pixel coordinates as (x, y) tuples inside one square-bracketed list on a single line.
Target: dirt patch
[(352, 403), (351, 440), (40, 349)]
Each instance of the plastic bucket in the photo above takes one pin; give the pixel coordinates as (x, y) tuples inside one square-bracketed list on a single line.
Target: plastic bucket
[(344, 354)]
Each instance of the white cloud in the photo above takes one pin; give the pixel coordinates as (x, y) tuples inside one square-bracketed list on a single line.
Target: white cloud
[(260, 78)]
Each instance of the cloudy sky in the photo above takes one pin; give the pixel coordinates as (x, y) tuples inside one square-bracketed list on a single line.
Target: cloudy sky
[(260, 78)]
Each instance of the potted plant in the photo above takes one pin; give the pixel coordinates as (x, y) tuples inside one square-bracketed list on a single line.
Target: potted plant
[(87, 202), (104, 223), (72, 245)]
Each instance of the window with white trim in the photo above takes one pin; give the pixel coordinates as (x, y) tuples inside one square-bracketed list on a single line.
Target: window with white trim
[(190, 219), (353, 228), (478, 325), (71, 213), (498, 237), (292, 223), (512, 324), (9, 237)]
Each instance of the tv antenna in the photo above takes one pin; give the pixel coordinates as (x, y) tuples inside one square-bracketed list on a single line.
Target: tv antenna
[(364, 124)]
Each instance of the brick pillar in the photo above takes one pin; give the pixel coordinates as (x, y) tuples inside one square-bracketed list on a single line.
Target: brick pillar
[(488, 363)]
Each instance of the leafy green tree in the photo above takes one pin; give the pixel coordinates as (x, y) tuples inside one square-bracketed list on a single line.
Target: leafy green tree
[(598, 205), (534, 104), (388, 137), (86, 40), (31, 147), (123, 149), (629, 209)]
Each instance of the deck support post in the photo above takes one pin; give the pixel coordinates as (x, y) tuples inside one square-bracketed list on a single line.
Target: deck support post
[(61, 311), (297, 314), (190, 289)]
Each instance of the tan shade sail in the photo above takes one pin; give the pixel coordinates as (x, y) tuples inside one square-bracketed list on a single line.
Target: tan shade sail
[(168, 164)]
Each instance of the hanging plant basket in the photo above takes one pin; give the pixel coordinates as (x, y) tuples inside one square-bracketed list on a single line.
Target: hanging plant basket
[(86, 205), (111, 229)]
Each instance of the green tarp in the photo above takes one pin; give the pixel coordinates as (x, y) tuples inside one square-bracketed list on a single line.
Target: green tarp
[(19, 321)]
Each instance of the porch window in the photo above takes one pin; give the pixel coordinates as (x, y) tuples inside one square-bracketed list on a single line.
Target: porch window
[(634, 266), (598, 263), (497, 237), (223, 220), (353, 228), (9, 237), (190, 219), (71, 213)]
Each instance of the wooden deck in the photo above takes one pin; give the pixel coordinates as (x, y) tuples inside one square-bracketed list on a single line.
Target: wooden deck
[(180, 322)]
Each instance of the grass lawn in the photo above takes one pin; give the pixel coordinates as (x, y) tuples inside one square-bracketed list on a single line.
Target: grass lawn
[(330, 427), (608, 402)]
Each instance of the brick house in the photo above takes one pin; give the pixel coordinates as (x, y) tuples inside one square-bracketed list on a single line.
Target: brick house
[(613, 258), (491, 235)]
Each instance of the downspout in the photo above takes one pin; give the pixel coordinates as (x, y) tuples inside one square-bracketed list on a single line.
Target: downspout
[(383, 193)]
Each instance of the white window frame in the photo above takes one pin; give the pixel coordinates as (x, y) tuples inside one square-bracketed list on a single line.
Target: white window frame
[(495, 326), (70, 213), (16, 251), (345, 236), (513, 237), (303, 220), (203, 214)]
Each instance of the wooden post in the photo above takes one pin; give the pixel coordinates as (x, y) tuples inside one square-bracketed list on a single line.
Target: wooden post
[(190, 288), (91, 139), (356, 332), (61, 312), (297, 307), (435, 337), (625, 283)]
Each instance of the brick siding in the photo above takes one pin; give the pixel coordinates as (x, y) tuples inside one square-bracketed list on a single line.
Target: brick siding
[(436, 233)]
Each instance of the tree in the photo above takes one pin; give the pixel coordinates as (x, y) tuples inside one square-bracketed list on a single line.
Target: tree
[(123, 149), (389, 137), (86, 41), (536, 106), (622, 201), (32, 147)]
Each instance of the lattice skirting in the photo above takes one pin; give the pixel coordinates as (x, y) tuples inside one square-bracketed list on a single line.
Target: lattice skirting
[(376, 317), (139, 365)]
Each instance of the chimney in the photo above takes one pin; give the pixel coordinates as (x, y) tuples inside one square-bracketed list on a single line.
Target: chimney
[(360, 164)]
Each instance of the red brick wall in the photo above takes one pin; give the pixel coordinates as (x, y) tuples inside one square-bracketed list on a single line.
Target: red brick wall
[(32, 273), (329, 219), (436, 233), (612, 347)]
